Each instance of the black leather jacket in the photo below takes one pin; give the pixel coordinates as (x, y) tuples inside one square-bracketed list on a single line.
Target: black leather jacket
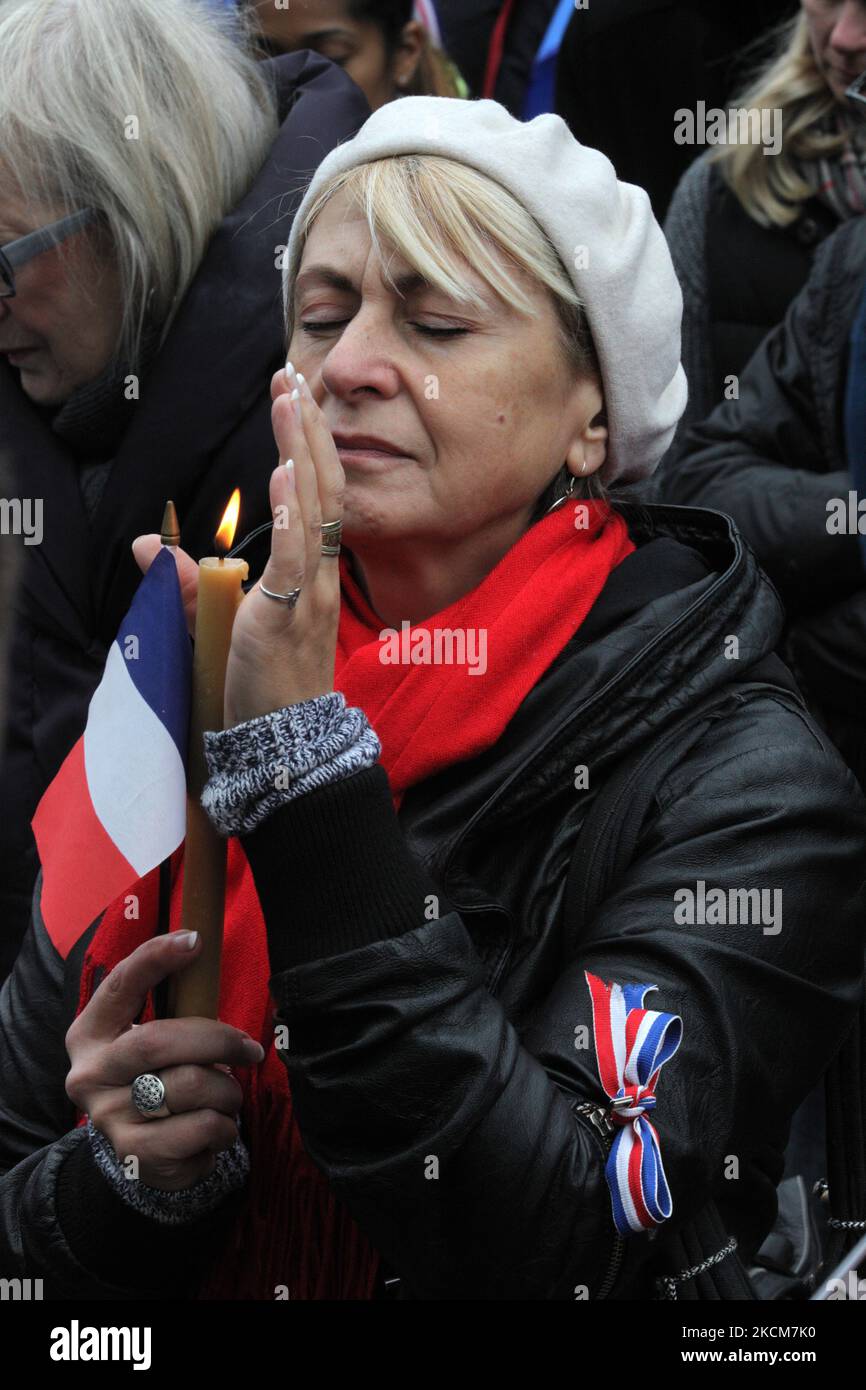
[(457, 1037)]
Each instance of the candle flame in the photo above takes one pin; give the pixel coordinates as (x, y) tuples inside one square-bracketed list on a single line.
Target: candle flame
[(226, 530)]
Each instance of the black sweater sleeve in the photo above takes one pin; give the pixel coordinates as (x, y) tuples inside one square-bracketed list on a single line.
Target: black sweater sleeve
[(110, 1238), (346, 889)]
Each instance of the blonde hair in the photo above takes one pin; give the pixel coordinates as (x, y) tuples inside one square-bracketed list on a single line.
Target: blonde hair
[(437, 214), (153, 112), (772, 188)]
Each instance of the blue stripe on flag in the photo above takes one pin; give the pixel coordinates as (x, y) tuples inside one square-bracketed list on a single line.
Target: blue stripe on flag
[(155, 645)]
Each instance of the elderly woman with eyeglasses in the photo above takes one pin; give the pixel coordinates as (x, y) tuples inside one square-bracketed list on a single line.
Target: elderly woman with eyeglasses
[(149, 168), (446, 1063)]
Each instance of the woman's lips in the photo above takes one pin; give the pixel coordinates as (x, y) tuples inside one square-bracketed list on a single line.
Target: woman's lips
[(846, 76), (14, 355), (371, 460)]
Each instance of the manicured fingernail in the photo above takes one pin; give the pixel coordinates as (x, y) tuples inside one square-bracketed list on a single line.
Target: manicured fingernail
[(290, 373), (289, 466), (186, 940), (295, 400), (305, 387)]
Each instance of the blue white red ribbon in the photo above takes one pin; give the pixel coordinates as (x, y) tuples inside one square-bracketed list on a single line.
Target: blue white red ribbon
[(632, 1045)]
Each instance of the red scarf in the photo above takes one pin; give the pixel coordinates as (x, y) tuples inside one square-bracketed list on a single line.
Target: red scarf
[(291, 1231)]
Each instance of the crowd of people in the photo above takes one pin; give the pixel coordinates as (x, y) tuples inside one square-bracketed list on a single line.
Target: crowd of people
[(590, 390)]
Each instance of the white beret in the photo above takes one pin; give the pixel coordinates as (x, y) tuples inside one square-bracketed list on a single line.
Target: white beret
[(604, 231)]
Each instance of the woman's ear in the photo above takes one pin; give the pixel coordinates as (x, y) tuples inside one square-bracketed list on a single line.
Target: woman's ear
[(409, 51), (595, 440), (589, 450)]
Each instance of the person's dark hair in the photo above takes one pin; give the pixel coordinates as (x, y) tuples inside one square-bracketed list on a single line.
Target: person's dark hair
[(389, 16), (435, 75)]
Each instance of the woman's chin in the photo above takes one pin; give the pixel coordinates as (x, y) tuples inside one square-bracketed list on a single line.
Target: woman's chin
[(41, 387)]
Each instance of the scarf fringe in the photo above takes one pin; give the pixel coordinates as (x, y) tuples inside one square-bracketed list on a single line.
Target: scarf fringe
[(304, 1240)]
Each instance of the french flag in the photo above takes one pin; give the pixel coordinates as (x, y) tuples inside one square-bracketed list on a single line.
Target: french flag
[(117, 807)]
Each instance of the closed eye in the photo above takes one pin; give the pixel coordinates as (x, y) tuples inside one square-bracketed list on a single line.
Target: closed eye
[(319, 327)]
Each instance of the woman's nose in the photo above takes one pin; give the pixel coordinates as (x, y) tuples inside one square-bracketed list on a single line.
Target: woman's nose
[(361, 358), (849, 31)]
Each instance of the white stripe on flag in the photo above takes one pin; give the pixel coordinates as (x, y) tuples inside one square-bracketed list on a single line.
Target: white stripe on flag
[(618, 1016), (134, 771), (631, 1071)]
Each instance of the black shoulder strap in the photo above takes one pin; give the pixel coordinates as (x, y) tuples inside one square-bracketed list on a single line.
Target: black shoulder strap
[(608, 837)]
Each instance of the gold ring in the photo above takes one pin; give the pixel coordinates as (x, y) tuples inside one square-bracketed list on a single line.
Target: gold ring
[(331, 534)]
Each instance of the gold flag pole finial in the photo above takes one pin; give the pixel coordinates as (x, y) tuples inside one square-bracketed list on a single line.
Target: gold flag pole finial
[(170, 530)]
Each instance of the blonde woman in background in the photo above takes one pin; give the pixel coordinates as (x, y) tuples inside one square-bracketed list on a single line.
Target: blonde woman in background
[(744, 225)]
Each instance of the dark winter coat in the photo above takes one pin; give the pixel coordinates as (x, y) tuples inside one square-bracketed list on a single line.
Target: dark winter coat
[(467, 29), (456, 1036), (775, 460), (737, 279), (626, 66)]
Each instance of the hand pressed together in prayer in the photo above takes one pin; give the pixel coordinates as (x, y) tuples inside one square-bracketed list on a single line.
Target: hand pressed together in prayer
[(283, 654)]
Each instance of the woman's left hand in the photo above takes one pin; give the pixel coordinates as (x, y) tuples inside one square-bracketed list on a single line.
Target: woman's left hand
[(281, 655)]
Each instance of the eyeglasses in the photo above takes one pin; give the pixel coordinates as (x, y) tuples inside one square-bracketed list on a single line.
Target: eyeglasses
[(857, 90), (17, 253)]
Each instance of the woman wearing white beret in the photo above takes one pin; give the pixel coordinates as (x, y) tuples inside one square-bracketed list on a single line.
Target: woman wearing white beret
[(484, 1078)]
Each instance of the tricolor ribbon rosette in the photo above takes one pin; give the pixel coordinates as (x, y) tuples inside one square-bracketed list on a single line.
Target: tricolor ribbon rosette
[(632, 1045)]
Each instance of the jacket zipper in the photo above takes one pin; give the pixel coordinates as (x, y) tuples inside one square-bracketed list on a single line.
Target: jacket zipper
[(599, 1118)]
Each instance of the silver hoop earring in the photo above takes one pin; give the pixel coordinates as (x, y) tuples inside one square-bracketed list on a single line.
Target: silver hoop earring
[(565, 496)]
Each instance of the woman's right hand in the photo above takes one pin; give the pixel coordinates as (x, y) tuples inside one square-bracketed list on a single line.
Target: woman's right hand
[(191, 1055)]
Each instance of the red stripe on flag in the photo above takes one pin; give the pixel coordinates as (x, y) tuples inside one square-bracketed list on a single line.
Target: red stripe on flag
[(601, 1026), (82, 868), (635, 1186)]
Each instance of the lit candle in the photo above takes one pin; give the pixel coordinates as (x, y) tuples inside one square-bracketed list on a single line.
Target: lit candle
[(195, 990)]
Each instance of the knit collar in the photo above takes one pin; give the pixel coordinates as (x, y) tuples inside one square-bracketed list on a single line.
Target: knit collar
[(94, 419)]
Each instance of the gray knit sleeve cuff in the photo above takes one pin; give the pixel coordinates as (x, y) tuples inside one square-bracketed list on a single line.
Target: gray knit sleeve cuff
[(172, 1208), (259, 765)]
